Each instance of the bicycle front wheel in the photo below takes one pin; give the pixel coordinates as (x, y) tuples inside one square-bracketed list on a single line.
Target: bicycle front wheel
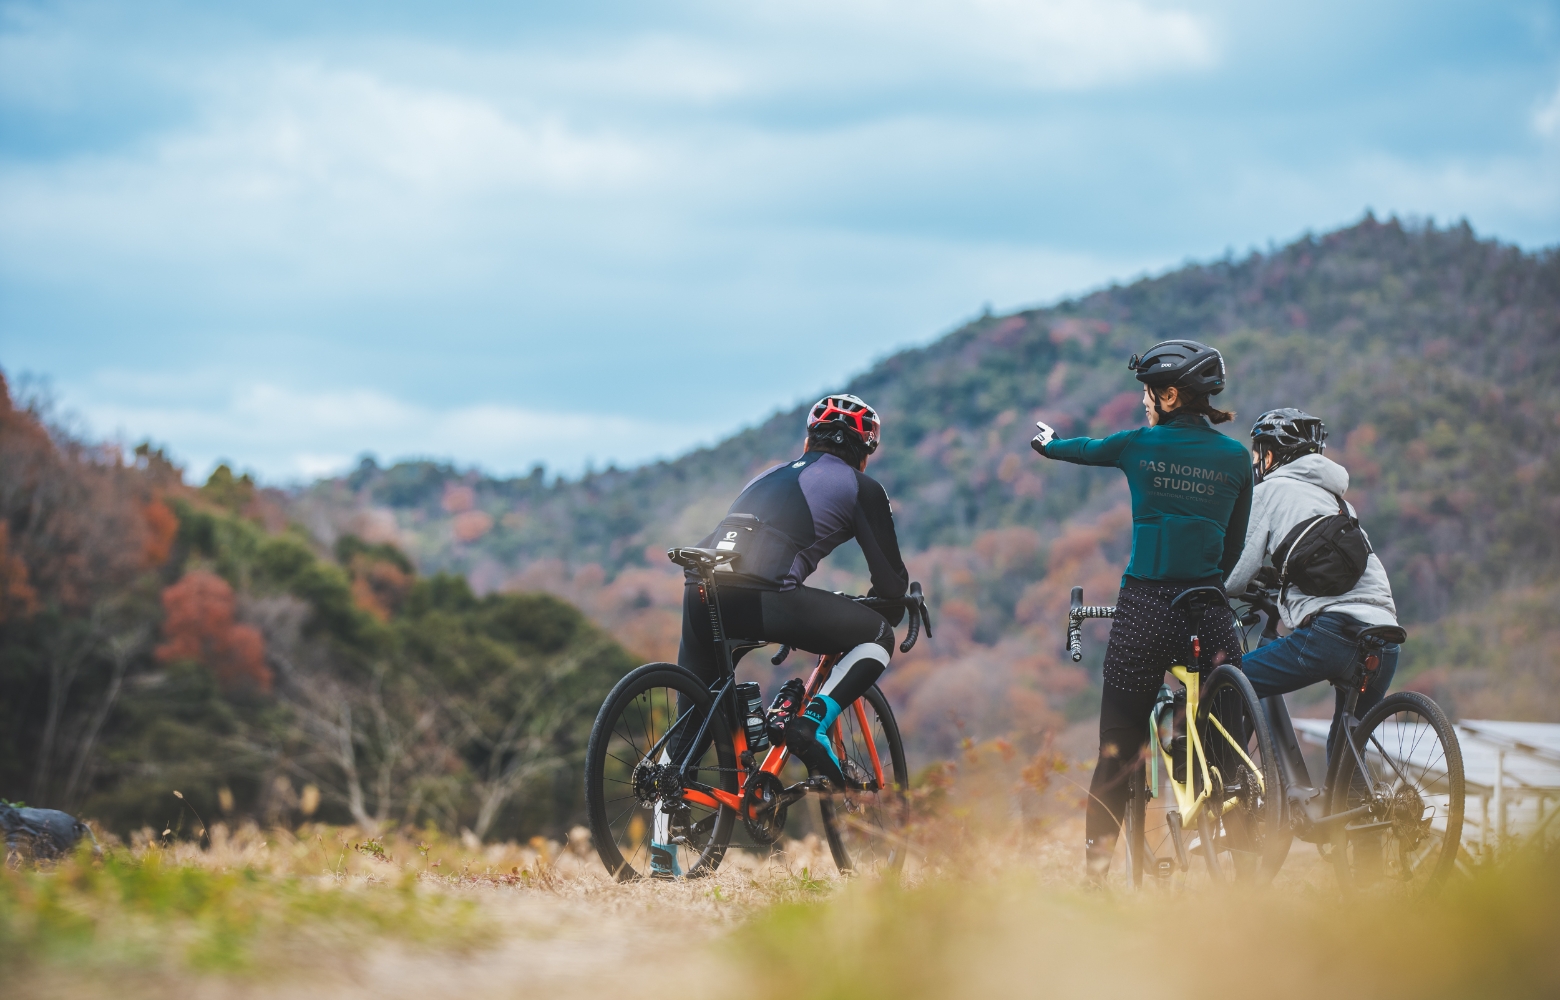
[(625, 782), (1409, 793), (1143, 860), (866, 825), (1245, 810)]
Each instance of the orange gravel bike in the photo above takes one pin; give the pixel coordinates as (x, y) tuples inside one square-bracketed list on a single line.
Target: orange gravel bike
[(728, 772)]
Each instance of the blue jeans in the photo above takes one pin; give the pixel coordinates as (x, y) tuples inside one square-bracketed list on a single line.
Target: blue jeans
[(1326, 650)]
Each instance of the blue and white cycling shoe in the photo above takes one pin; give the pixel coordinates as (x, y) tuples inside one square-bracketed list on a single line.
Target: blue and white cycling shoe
[(808, 738)]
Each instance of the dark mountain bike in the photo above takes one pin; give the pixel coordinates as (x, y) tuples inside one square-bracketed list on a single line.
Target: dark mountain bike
[(1390, 811), (700, 754), (1221, 799)]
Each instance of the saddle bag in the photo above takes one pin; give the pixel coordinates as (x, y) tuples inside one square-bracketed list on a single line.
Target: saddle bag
[(764, 551), (1323, 556)]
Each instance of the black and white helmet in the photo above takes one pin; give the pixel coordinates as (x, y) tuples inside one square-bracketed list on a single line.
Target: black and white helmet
[(1286, 434), (1184, 364)]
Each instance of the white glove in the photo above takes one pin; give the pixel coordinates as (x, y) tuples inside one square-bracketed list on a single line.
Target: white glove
[(1045, 437)]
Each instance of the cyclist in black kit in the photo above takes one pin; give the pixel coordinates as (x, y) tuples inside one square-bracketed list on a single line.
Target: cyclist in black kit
[(783, 524)]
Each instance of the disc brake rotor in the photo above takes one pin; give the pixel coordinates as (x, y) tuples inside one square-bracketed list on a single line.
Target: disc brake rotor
[(646, 782)]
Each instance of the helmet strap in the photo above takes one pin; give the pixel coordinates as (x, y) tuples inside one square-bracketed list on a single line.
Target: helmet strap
[(1159, 406)]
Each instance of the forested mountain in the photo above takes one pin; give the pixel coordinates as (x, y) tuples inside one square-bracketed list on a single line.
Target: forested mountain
[(374, 647), (1433, 356)]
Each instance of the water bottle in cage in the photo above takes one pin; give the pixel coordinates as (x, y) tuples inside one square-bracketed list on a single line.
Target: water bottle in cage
[(751, 700)]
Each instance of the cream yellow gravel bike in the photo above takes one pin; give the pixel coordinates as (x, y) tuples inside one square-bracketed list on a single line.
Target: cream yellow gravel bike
[(1209, 786)]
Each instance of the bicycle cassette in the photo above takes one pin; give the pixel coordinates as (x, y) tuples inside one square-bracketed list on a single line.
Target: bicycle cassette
[(763, 807), (652, 783)]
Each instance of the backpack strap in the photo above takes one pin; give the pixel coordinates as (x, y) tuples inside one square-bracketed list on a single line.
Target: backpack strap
[(1283, 572)]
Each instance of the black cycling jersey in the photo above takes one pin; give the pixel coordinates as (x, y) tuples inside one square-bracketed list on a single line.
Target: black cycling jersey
[(807, 508)]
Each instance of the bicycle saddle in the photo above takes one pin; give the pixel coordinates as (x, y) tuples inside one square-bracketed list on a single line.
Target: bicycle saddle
[(697, 558), (1200, 599), (1392, 635)]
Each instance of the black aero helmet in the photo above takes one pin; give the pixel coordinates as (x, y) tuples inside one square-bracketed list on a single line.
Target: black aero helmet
[(1182, 364), (1286, 434)]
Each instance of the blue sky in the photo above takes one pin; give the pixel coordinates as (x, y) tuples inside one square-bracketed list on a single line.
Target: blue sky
[(597, 232)]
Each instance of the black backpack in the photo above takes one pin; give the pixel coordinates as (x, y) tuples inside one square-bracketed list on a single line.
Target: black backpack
[(1323, 556)]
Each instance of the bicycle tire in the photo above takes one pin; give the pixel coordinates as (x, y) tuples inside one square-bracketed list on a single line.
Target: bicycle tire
[(1252, 838), (617, 744), (1374, 858), (866, 831), (1133, 834)]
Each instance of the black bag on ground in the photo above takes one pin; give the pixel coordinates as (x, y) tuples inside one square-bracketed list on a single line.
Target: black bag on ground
[(1323, 556), (41, 833)]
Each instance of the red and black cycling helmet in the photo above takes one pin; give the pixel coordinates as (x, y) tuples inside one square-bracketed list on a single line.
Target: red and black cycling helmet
[(848, 415), (1183, 364)]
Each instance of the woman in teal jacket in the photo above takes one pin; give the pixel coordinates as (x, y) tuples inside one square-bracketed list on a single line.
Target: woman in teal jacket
[(1191, 498)]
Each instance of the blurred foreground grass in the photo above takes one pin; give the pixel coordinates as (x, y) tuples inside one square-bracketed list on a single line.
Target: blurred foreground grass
[(325, 913), (231, 909), (1012, 933)]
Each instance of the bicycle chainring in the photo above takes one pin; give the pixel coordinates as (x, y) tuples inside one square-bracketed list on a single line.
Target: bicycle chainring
[(763, 812), (1216, 788)]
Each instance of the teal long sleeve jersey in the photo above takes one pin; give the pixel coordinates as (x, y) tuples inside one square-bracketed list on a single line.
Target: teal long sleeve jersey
[(1191, 494)]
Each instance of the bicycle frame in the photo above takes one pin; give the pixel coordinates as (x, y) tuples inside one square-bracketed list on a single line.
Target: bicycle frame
[(775, 760), (706, 562), (1190, 802), (722, 690), (1301, 793)]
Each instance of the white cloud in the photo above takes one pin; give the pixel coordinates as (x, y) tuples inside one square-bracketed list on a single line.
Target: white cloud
[(288, 435), (1043, 44), (1546, 120), (337, 179)]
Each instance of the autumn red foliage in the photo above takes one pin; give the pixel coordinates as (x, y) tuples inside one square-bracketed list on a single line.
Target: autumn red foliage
[(18, 599), (161, 527), (198, 626)]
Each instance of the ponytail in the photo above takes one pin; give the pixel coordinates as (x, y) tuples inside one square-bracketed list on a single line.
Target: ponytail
[(1197, 402)]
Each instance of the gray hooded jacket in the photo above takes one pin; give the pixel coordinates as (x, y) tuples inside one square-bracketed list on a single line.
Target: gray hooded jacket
[(1286, 496)]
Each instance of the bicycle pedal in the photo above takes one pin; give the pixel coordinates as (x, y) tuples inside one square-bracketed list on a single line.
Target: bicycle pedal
[(856, 776)]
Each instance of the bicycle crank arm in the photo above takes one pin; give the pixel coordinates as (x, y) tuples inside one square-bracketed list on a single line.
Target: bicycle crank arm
[(1173, 821), (812, 783)]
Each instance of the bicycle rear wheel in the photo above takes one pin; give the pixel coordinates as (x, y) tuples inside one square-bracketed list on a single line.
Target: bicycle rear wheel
[(621, 779), (1245, 811), (866, 827), (1411, 790)]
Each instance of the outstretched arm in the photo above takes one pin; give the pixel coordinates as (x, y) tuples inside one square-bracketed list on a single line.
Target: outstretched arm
[(1082, 450)]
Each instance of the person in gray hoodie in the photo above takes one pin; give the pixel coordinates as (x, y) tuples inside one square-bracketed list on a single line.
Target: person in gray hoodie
[(1296, 482)]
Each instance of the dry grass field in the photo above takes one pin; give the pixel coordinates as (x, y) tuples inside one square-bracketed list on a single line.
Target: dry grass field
[(324, 913), (991, 903)]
